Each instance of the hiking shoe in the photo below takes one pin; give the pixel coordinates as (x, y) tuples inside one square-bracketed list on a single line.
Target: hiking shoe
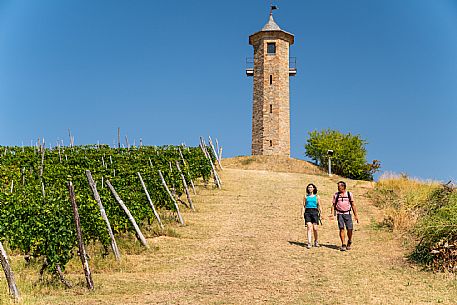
[(308, 246), (316, 244), (348, 247), (343, 248)]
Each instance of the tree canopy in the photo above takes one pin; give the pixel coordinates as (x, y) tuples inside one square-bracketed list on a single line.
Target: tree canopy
[(349, 154)]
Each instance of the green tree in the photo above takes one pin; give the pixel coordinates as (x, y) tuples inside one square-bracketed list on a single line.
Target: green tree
[(349, 154)]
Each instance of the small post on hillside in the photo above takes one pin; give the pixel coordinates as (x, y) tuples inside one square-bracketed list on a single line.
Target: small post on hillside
[(150, 201), (330, 154), (79, 237), (14, 292), (93, 187), (129, 215), (172, 198), (119, 138)]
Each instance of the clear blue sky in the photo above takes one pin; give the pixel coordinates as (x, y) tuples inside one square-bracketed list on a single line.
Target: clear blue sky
[(170, 71)]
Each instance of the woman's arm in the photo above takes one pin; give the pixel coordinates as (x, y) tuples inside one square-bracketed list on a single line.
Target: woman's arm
[(332, 210)]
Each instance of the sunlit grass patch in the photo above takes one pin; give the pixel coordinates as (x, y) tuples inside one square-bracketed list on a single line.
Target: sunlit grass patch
[(425, 213), (402, 199)]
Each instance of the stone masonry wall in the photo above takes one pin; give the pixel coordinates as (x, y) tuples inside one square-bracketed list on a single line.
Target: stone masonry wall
[(270, 114)]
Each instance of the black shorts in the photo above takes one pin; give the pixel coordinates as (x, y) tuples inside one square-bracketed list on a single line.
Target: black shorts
[(312, 215), (344, 220)]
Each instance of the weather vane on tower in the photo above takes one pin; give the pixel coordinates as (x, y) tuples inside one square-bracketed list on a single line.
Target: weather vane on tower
[(272, 8)]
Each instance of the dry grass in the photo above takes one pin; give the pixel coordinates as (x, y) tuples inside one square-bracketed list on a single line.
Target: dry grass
[(276, 164), (411, 190), (401, 199), (245, 245)]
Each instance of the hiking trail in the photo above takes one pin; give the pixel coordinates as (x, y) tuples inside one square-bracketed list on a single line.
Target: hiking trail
[(245, 244)]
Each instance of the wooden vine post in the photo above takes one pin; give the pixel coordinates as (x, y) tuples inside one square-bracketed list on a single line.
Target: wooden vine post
[(14, 292), (172, 198), (150, 201), (192, 184), (42, 162), (215, 153), (119, 138), (213, 169), (217, 180), (69, 136), (129, 215), (190, 178), (185, 186), (59, 271), (127, 142), (82, 250), (60, 155), (103, 213)]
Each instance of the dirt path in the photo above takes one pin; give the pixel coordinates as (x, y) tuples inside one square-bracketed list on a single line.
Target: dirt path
[(245, 245)]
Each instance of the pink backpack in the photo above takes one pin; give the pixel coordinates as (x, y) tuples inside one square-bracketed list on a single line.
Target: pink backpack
[(343, 206)]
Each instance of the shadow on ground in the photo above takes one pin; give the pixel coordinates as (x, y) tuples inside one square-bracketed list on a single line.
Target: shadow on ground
[(330, 246), (301, 244), (297, 243)]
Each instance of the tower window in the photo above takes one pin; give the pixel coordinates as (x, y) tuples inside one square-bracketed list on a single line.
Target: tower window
[(271, 48), (271, 143), (271, 79), (271, 108)]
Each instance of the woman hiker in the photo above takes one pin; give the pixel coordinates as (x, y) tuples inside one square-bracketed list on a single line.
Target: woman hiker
[(312, 212)]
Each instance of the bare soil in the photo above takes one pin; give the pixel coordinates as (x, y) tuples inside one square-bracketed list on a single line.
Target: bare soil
[(245, 244)]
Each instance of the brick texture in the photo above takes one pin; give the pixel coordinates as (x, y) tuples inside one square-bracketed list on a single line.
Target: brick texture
[(270, 111)]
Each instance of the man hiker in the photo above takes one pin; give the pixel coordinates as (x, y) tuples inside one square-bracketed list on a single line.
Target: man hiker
[(343, 204)]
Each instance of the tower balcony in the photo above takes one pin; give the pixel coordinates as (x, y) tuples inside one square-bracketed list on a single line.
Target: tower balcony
[(292, 66), (250, 66)]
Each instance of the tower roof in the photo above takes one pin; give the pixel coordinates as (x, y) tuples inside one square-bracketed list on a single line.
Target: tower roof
[(271, 25)]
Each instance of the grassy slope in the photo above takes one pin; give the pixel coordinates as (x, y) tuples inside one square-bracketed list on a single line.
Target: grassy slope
[(245, 245)]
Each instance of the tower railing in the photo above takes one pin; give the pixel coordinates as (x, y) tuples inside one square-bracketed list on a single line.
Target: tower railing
[(293, 63), (250, 66)]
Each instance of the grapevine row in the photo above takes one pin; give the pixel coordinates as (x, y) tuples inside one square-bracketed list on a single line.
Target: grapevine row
[(36, 216)]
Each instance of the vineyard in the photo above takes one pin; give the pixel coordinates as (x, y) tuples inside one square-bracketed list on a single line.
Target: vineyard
[(113, 191)]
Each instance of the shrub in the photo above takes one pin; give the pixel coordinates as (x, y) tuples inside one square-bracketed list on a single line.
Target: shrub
[(425, 215), (349, 154), (437, 231)]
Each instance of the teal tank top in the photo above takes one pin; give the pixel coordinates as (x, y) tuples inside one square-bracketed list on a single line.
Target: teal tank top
[(311, 202)]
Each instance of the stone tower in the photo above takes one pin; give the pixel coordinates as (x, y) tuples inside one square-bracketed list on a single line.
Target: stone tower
[(271, 71)]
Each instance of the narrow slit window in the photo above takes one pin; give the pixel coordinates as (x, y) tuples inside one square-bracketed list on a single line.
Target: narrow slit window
[(271, 79), (271, 108), (271, 48), (271, 143)]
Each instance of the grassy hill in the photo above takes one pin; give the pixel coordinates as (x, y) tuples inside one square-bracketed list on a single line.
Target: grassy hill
[(245, 245)]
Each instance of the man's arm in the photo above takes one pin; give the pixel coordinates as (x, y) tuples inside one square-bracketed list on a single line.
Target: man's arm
[(354, 208)]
